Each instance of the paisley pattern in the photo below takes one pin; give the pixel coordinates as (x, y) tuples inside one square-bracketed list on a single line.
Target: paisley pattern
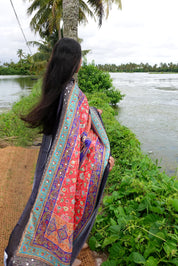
[(70, 183)]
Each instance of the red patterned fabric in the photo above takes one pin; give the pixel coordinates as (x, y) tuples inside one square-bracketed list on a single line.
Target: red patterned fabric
[(70, 184)]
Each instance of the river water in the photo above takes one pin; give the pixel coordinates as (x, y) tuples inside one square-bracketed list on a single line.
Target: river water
[(150, 110), (12, 88)]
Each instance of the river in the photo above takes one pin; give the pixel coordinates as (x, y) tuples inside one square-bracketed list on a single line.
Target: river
[(150, 110), (12, 88)]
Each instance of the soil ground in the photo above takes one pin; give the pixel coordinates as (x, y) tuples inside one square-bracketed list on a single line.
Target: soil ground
[(17, 166)]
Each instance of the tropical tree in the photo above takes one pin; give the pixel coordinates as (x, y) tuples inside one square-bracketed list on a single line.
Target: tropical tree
[(71, 14), (49, 13), (48, 16), (41, 57), (20, 54), (70, 18)]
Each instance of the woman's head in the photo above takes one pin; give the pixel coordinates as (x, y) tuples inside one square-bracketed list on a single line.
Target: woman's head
[(64, 61)]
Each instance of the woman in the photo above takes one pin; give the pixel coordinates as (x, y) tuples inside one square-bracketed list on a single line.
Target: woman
[(71, 170)]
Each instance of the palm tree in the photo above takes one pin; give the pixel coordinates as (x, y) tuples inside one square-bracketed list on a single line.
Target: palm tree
[(70, 18), (48, 15), (20, 54), (41, 57), (71, 14)]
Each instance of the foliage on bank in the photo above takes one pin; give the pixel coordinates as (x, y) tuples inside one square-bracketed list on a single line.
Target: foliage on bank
[(20, 68), (133, 67), (28, 64), (91, 79), (12, 128), (137, 220)]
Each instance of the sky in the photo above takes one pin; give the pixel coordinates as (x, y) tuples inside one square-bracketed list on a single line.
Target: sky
[(143, 31)]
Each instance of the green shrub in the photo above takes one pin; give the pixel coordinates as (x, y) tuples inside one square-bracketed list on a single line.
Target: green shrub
[(137, 221), (91, 79)]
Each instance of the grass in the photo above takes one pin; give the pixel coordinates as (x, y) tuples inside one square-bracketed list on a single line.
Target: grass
[(12, 128)]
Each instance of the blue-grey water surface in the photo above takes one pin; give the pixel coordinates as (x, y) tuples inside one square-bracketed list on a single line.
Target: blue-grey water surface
[(12, 88), (150, 110)]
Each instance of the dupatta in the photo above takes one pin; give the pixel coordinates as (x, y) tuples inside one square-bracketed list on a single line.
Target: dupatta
[(70, 185)]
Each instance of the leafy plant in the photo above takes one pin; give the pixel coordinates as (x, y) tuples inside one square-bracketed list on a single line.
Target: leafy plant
[(91, 79), (137, 221)]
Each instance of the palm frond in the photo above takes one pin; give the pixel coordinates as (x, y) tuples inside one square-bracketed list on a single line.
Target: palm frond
[(118, 3), (85, 8), (82, 17), (98, 8), (109, 3), (37, 4)]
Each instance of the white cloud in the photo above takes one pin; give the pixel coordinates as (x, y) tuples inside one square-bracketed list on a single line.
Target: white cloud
[(11, 35), (144, 31)]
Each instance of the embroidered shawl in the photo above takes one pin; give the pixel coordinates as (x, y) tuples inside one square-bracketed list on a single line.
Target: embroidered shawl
[(70, 183)]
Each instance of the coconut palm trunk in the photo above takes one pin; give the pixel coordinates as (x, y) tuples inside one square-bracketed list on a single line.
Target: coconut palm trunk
[(70, 18)]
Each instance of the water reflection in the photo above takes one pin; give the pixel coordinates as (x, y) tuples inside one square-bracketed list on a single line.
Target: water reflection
[(24, 82), (12, 88)]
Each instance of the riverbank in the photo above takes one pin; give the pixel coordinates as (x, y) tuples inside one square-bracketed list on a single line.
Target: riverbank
[(137, 221)]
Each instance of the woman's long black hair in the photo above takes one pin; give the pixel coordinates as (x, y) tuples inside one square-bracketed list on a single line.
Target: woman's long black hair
[(64, 62)]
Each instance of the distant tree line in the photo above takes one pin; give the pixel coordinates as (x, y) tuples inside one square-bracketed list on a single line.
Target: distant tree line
[(28, 66), (132, 67), (25, 65), (16, 69)]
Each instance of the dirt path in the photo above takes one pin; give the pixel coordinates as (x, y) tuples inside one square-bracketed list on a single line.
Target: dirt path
[(17, 166)]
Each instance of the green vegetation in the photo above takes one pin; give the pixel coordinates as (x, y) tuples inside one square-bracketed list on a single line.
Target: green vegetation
[(91, 79), (137, 220), (132, 67), (29, 64), (12, 128), (23, 67)]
